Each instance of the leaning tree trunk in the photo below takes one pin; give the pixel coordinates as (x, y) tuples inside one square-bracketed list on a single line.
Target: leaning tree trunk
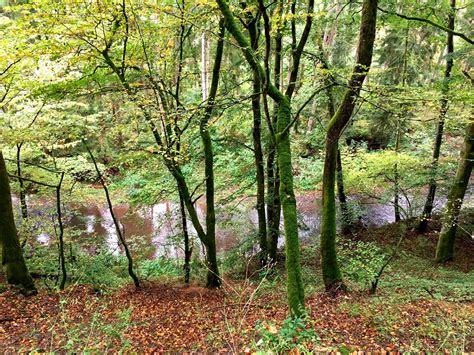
[(12, 255), (170, 163), (445, 248), (118, 230), (331, 274), (428, 208)]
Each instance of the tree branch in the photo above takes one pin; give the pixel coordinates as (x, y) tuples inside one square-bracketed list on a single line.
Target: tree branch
[(425, 20)]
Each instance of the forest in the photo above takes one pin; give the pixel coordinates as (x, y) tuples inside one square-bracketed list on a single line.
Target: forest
[(253, 176)]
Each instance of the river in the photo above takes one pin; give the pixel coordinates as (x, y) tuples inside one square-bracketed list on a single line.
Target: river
[(155, 230)]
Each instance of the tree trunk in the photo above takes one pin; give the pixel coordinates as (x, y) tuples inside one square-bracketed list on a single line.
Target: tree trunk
[(282, 138), (257, 145), (295, 286), (12, 255), (331, 274), (213, 279), (445, 248), (396, 177), (273, 179), (62, 258), (114, 219), (346, 216), (330, 268), (428, 208), (204, 66), (170, 163), (24, 206), (187, 248)]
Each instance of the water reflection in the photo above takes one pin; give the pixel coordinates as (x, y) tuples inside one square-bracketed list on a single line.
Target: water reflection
[(155, 231)]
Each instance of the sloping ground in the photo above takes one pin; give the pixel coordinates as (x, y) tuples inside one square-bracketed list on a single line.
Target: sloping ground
[(165, 318), (418, 307), (424, 245)]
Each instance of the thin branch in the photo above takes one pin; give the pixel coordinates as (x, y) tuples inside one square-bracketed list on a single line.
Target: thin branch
[(425, 20)]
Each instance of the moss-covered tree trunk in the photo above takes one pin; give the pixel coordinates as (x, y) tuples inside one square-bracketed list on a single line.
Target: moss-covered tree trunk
[(445, 248), (257, 144), (331, 273), (295, 286), (12, 256), (428, 208)]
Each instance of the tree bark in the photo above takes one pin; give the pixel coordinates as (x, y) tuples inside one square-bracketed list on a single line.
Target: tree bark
[(62, 258), (16, 270), (331, 274), (428, 208), (396, 177)]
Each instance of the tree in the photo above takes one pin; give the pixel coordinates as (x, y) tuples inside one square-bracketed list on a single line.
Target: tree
[(12, 255), (445, 247), (254, 34), (331, 272), (428, 208), (281, 137), (143, 76)]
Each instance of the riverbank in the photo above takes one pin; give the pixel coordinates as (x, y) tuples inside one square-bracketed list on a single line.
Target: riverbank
[(418, 306)]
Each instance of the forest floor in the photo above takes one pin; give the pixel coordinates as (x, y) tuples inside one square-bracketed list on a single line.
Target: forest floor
[(418, 306)]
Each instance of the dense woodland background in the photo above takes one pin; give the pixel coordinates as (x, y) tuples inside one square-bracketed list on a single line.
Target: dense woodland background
[(236, 176)]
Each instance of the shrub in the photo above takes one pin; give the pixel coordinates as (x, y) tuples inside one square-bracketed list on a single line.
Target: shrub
[(295, 333)]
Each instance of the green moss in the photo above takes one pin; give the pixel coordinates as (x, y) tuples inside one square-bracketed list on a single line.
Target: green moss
[(288, 204)]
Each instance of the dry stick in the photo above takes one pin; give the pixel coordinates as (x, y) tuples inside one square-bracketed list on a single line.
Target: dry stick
[(117, 227)]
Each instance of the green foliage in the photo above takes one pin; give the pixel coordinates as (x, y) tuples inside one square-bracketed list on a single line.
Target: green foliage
[(80, 168), (157, 268), (311, 173), (361, 261), (102, 271), (296, 333)]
